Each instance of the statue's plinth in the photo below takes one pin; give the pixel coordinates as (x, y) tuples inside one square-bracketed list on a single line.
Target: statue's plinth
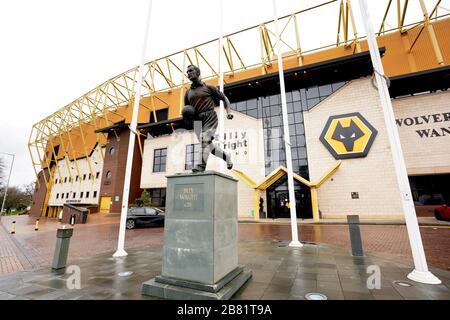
[(200, 252)]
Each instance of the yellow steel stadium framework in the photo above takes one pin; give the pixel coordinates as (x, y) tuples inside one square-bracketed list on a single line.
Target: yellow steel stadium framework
[(69, 133)]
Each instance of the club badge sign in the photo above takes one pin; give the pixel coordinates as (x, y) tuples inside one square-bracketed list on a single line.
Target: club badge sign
[(348, 136)]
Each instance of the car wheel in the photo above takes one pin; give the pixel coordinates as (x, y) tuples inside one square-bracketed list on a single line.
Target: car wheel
[(437, 215), (131, 224)]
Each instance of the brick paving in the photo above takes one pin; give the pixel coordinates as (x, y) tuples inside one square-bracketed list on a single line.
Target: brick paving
[(279, 273), (11, 257), (100, 236)]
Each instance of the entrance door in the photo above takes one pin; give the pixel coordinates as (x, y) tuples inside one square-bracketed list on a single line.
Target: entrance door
[(278, 198), (281, 204), (105, 204)]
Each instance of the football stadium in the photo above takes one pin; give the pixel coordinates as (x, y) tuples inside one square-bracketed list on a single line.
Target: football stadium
[(341, 156)]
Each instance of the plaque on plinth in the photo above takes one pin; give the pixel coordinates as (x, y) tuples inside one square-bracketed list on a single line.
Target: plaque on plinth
[(200, 250)]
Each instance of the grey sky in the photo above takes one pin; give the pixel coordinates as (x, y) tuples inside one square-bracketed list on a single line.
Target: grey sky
[(54, 51)]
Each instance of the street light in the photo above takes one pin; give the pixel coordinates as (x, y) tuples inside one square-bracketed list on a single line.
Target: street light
[(7, 183)]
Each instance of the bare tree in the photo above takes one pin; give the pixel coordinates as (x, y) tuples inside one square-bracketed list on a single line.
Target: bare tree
[(18, 198), (29, 189)]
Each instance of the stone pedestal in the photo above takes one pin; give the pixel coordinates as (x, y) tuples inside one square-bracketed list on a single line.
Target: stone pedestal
[(200, 253)]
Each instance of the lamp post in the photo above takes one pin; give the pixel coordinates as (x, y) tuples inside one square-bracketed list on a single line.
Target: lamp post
[(7, 182)]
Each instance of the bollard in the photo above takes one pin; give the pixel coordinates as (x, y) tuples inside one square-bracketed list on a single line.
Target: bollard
[(13, 227), (355, 235), (36, 227), (63, 236), (72, 219), (60, 216)]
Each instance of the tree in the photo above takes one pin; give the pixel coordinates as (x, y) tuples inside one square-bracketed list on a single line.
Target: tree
[(144, 200), (29, 189), (18, 198), (14, 199)]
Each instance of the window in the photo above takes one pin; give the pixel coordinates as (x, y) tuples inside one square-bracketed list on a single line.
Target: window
[(74, 195), (159, 160), (150, 211), (112, 150), (97, 175), (158, 197), (84, 177), (193, 156), (269, 110), (57, 195), (65, 180), (62, 195), (76, 179), (87, 194), (67, 195), (81, 194), (430, 189), (109, 174), (56, 181), (90, 176), (95, 194), (162, 114)]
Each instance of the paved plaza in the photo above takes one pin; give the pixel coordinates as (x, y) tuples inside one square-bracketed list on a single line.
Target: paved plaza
[(279, 273), (29, 249), (323, 265)]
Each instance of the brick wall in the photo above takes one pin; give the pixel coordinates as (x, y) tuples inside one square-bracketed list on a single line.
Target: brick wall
[(37, 203), (116, 163)]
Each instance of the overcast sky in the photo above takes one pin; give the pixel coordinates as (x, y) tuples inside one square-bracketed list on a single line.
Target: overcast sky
[(54, 51)]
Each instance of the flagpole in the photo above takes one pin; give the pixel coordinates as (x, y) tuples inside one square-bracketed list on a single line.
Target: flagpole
[(126, 185), (420, 272), (287, 143), (221, 106)]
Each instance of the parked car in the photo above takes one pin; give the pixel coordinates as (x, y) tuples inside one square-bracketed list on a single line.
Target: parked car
[(442, 212), (145, 216)]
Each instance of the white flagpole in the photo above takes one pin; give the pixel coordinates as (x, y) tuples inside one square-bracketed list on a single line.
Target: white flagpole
[(126, 185), (221, 106), (420, 272), (287, 142)]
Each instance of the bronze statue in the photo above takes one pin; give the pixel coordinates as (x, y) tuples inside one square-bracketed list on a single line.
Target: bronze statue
[(200, 100)]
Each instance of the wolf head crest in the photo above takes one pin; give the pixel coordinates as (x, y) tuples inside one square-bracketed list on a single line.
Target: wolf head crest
[(347, 135)]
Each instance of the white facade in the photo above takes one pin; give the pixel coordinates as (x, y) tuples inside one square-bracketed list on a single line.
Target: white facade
[(423, 123), (243, 137), (83, 188)]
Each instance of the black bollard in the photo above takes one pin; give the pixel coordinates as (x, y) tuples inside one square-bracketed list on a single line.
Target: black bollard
[(355, 235), (63, 236)]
